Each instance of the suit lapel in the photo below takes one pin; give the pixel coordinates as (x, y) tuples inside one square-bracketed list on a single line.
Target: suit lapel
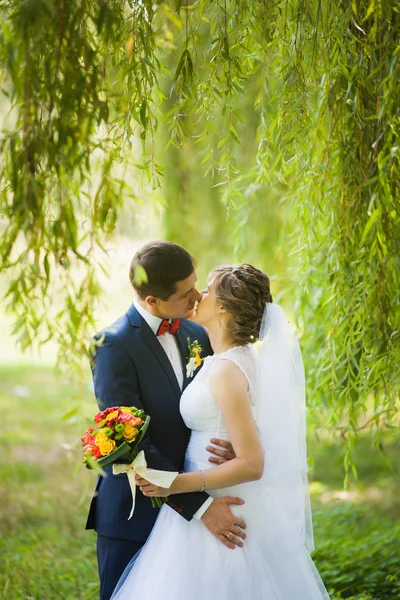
[(151, 340), (181, 339)]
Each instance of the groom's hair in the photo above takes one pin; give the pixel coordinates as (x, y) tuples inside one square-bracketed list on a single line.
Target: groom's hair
[(157, 267)]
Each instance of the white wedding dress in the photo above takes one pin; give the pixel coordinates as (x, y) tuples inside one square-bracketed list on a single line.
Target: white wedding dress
[(182, 560)]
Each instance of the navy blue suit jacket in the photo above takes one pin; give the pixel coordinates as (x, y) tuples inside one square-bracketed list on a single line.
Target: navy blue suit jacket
[(130, 368)]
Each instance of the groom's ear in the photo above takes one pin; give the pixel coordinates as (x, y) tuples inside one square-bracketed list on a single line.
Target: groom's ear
[(152, 300)]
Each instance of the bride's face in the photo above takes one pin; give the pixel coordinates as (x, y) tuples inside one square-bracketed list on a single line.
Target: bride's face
[(209, 308)]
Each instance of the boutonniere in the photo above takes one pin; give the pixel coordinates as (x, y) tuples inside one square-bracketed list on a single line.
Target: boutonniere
[(194, 358)]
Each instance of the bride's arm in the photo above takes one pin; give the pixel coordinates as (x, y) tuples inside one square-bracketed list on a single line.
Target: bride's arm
[(228, 386)]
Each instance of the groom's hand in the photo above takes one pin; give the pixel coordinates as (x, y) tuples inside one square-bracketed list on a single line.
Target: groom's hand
[(220, 520), (223, 451)]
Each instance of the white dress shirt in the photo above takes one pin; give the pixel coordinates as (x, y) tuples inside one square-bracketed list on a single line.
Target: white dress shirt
[(167, 341), (170, 347)]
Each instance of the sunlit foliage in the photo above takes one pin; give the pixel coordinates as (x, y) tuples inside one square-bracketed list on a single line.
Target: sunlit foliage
[(289, 109)]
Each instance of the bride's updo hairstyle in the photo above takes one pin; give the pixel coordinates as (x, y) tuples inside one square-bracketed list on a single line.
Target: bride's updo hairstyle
[(243, 292)]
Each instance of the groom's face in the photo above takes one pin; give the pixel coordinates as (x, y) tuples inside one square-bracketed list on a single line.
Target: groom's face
[(181, 303)]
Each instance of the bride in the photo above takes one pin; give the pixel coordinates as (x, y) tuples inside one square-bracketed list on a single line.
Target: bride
[(254, 397)]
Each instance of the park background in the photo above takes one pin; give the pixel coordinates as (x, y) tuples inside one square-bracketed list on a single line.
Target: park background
[(263, 132)]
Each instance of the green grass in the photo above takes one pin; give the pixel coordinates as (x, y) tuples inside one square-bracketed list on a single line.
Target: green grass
[(46, 554), (357, 531)]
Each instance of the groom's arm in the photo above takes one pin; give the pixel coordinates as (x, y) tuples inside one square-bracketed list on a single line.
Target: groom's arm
[(116, 384)]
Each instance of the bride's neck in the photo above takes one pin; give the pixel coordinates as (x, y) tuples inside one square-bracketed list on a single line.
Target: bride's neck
[(220, 339)]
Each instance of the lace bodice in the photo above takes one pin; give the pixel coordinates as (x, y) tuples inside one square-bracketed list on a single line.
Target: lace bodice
[(200, 410)]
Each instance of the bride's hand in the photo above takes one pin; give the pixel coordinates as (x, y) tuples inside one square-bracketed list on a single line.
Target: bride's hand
[(149, 489)]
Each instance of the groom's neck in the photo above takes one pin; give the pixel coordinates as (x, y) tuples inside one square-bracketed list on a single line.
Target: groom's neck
[(150, 309)]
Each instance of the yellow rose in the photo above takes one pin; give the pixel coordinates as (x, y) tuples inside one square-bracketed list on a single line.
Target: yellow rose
[(124, 409), (100, 437), (130, 432), (112, 415), (198, 359), (106, 446)]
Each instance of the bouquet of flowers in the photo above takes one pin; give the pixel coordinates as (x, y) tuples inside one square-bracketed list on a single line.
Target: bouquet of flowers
[(116, 436), (115, 441)]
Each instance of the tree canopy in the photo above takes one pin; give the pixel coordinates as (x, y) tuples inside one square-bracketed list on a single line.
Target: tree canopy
[(286, 115)]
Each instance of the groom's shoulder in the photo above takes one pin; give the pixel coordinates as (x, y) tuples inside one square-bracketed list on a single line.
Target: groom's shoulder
[(195, 331), (193, 326), (119, 329)]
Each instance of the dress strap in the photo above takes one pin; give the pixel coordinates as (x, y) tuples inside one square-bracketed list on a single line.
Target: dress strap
[(244, 358)]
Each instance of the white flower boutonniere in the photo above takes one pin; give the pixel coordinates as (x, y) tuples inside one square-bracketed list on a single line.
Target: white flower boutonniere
[(194, 359)]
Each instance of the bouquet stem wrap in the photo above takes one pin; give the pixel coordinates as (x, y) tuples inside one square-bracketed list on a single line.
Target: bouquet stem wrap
[(139, 465)]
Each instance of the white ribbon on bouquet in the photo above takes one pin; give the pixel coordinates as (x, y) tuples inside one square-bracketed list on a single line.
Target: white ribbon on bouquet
[(139, 465)]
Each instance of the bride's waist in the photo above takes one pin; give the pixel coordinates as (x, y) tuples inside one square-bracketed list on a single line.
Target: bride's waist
[(197, 455)]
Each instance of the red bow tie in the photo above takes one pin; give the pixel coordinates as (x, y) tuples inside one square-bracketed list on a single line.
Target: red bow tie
[(167, 327)]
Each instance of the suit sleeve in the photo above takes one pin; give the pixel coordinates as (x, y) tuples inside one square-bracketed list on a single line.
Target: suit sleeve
[(116, 384)]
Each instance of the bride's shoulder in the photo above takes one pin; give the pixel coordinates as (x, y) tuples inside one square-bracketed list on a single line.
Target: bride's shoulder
[(242, 356), (227, 375), (230, 366)]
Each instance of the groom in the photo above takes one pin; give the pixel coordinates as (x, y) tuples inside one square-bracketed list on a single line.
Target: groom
[(141, 361)]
